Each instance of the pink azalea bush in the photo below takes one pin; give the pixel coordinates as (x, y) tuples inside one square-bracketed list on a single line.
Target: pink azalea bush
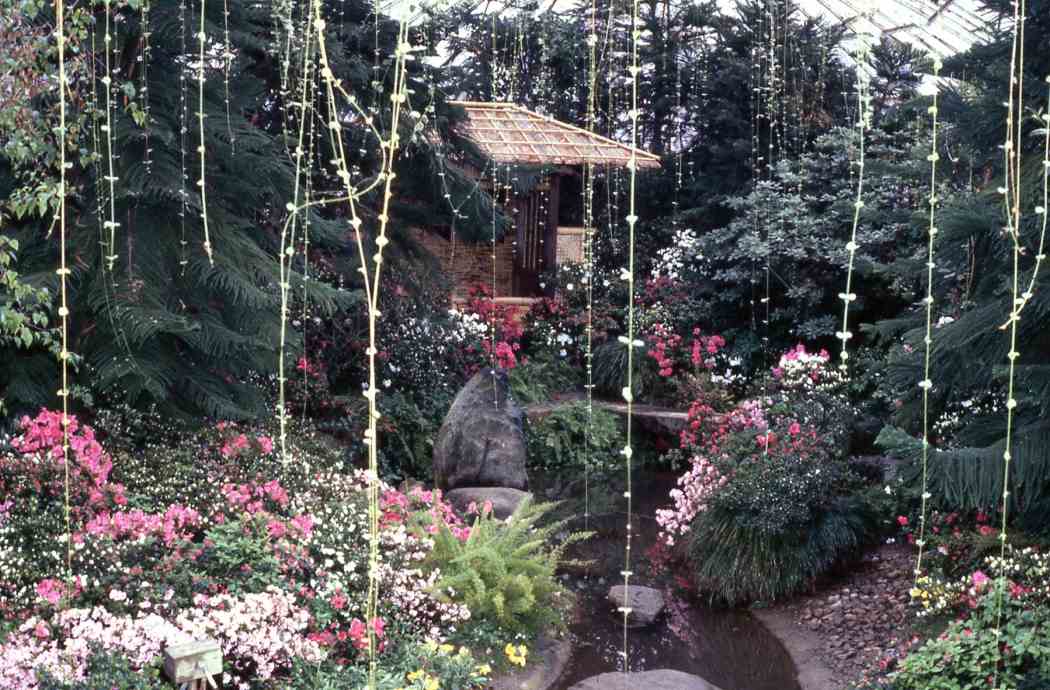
[(704, 436), (690, 497), (272, 561), (764, 428)]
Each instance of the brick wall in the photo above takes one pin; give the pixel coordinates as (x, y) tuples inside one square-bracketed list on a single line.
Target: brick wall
[(473, 262)]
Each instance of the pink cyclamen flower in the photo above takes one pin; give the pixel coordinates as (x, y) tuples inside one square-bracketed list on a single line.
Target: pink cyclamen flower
[(980, 580), (265, 444), (276, 529), (358, 633), (50, 590), (902, 520), (303, 523)]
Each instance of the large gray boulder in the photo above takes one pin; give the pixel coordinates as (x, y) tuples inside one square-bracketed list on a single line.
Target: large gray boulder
[(482, 441), (504, 501), (649, 680), (646, 604)]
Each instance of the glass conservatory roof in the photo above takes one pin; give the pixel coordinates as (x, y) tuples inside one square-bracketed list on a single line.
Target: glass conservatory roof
[(942, 27)]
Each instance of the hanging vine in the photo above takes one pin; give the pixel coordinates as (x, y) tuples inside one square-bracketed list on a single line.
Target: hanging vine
[(588, 258), (1011, 192), (183, 130), (227, 63), (202, 182), (111, 223), (287, 239), (927, 383), (861, 124), (63, 269), (144, 89), (628, 340), (371, 278)]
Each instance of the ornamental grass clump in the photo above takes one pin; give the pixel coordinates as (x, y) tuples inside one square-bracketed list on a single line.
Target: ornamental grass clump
[(780, 522), (504, 572)]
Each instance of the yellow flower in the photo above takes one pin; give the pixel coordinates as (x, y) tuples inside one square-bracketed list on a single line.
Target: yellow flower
[(446, 649), (484, 669), (463, 651), (516, 655), (432, 683)]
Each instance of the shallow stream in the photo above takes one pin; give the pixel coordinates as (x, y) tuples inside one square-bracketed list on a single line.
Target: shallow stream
[(727, 647)]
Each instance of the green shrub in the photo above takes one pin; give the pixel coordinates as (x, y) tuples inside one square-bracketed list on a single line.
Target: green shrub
[(411, 429), (538, 379), (964, 656), (959, 480), (240, 556), (505, 572), (1035, 680), (559, 441), (776, 526)]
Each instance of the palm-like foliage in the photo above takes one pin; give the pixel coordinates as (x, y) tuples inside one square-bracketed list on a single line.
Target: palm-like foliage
[(166, 327), (974, 266)]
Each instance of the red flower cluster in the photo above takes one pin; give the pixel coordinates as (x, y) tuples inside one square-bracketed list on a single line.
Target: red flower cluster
[(666, 346), (504, 320)]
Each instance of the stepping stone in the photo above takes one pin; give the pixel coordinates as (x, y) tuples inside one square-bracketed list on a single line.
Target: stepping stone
[(646, 604), (649, 680), (504, 500)]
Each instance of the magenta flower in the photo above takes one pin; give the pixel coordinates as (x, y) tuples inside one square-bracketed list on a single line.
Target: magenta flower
[(265, 444), (50, 590)]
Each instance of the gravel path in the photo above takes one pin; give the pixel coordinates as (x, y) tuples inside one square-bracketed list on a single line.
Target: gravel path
[(848, 625)]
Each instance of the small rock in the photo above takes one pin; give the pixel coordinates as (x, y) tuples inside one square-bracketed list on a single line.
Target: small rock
[(504, 500), (646, 604)]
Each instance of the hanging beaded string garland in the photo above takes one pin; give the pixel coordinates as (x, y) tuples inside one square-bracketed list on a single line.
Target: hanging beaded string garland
[(628, 340), (111, 223), (861, 125), (63, 268), (201, 182), (371, 278), (926, 384)]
